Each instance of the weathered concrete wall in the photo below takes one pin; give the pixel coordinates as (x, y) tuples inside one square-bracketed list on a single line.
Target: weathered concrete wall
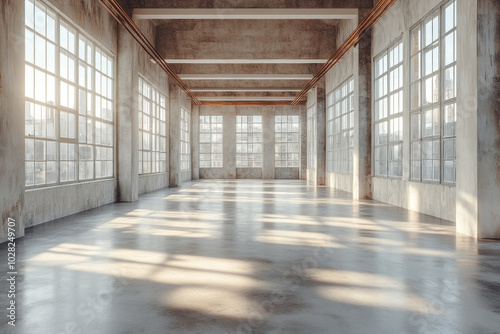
[(156, 76), (46, 204), (152, 182), (50, 203), (336, 76), (178, 100), (478, 125), (433, 199), (12, 176), (229, 170), (127, 119)]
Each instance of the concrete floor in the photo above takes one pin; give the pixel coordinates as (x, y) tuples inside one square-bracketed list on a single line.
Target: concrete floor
[(253, 257)]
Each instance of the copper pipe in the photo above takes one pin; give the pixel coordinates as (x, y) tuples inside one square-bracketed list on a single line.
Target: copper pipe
[(366, 24), (114, 8)]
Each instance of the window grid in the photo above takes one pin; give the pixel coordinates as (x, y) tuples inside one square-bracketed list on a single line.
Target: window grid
[(340, 128), (287, 141), (388, 115), (249, 141), (185, 140), (152, 129), (211, 134), (68, 114), (433, 97), (311, 137)]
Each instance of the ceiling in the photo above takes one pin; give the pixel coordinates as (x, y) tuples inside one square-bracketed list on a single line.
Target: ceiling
[(253, 50)]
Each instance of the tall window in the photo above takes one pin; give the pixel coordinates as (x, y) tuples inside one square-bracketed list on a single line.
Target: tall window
[(388, 114), (248, 141), (287, 141), (433, 97), (152, 129), (340, 128), (185, 140), (211, 142), (311, 137), (69, 102)]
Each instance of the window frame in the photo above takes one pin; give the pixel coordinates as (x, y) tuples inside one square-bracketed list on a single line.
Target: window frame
[(419, 112), (339, 159), (278, 140), (244, 156), (74, 82), (185, 140), (157, 126), (212, 132), (390, 118)]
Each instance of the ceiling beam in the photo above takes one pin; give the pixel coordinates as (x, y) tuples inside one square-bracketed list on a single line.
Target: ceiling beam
[(246, 76), (246, 61), (245, 13), (250, 103), (246, 98), (244, 90)]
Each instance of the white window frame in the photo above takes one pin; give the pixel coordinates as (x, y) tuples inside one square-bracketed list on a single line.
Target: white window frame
[(81, 150), (388, 85), (440, 113), (287, 141), (249, 132), (340, 128), (152, 115), (185, 139), (211, 141)]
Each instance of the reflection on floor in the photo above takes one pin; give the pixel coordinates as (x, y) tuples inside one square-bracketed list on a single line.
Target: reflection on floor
[(253, 257)]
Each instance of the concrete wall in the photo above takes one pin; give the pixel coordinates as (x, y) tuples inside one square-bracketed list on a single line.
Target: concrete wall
[(229, 170), (478, 126), (152, 73), (45, 204), (11, 116), (336, 76), (433, 199)]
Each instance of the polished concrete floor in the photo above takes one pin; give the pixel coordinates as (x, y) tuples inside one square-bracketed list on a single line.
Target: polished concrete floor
[(253, 257)]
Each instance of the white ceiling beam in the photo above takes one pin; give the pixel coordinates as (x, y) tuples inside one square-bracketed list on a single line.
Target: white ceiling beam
[(246, 76), (243, 98), (245, 90), (246, 61), (245, 13)]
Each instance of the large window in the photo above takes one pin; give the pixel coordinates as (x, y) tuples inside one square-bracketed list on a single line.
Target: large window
[(287, 141), (69, 91), (152, 129), (433, 97), (185, 140), (248, 141), (340, 128), (211, 142), (388, 115), (311, 137)]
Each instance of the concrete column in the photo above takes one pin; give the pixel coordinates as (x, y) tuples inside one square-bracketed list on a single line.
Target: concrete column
[(303, 143), (321, 132), (478, 124), (362, 119), (12, 175), (229, 143), (195, 142), (127, 119), (268, 143), (175, 136)]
